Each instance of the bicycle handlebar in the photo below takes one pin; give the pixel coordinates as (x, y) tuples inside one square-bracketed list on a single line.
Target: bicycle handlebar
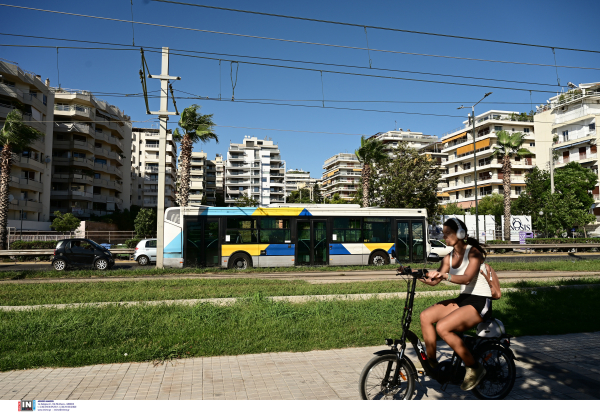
[(417, 274)]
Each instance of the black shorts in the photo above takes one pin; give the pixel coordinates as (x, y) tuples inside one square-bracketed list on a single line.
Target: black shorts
[(482, 304)]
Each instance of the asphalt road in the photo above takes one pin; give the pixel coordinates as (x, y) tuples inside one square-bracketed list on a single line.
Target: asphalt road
[(7, 267)]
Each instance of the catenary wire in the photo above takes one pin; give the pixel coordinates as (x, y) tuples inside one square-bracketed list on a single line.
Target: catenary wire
[(276, 39), (378, 27), (289, 60)]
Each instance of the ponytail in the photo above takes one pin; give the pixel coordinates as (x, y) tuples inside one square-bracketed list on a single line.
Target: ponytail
[(452, 224)]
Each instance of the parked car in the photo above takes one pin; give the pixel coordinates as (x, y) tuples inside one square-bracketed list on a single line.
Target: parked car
[(81, 252), (145, 252), (105, 245), (440, 248)]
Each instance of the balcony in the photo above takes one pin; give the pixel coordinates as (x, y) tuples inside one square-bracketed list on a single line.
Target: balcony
[(74, 128), (75, 177), (27, 184), (72, 193), (74, 110), (29, 163), (27, 205)]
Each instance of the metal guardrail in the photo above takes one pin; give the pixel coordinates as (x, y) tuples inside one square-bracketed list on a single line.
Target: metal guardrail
[(40, 252), (544, 246)]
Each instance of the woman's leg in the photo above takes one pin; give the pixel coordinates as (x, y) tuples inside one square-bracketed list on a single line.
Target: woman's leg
[(430, 316), (458, 321)]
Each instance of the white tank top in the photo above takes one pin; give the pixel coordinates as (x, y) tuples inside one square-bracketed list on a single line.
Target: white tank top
[(479, 285)]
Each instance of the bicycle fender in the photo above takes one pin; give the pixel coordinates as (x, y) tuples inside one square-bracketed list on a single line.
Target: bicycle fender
[(385, 352), (496, 343)]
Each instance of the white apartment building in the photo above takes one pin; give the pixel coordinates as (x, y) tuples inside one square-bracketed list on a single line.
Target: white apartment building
[(254, 168), (459, 166), (31, 172), (296, 179), (91, 155), (342, 175), (567, 125), (144, 162), (214, 180), (415, 140)]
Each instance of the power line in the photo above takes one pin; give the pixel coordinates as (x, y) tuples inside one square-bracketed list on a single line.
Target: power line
[(295, 68), (282, 40), (295, 61), (377, 27)]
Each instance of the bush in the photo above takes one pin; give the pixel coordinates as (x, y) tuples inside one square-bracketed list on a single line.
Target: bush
[(131, 243), (557, 240), (36, 244)]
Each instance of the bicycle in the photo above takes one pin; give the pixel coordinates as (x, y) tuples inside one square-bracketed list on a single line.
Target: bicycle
[(391, 375)]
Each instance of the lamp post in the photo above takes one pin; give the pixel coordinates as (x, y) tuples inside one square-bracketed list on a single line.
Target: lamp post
[(475, 161), (542, 214)]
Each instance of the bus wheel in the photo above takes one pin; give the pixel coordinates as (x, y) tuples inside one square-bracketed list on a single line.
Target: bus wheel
[(379, 259), (240, 261)]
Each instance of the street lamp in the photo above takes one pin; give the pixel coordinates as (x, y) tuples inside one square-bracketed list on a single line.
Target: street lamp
[(542, 214), (475, 161)]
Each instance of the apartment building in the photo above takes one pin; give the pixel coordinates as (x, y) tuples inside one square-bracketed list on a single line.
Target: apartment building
[(459, 166), (342, 175), (31, 169), (91, 155), (214, 180), (144, 171), (254, 168), (567, 127), (415, 140), (434, 151), (296, 179)]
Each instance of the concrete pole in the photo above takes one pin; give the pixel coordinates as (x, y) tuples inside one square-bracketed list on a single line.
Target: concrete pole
[(163, 115), (551, 170), (475, 174)]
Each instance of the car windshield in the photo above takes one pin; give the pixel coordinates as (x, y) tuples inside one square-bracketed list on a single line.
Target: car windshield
[(95, 244)]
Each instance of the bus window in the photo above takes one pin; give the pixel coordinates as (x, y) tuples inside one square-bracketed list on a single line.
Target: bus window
[(377, 230), (241, 230), (403, 242), (346, 230), (275, 230), (418, 252)]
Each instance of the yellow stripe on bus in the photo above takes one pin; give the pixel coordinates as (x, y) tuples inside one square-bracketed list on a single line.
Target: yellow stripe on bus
[(252, 249), (373, 246), (280, 211)]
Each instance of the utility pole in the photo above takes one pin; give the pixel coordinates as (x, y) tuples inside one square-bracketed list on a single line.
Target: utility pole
[(551, 170), (163, 116)]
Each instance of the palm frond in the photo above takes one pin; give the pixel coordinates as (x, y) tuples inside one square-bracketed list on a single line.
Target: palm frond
[(503, 137), (524, 152), (16, 133), (516, 140)]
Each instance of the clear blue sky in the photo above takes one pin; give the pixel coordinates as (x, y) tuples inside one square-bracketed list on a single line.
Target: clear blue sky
[(554, 23)]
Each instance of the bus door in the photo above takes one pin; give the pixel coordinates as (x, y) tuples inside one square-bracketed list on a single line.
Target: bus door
[(410, 240), (202, 242), (312, 246)]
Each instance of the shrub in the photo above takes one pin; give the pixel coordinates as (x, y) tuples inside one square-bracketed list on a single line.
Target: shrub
[(35, 244), (131, 243)]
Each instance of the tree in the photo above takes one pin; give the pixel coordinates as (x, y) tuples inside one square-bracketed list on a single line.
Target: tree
[(407, 179), (196, 128), (491, 205), (507, 147), (532, 200), (245, 201), (65, 223), (371, 152), (317, 196), (15, 137), (145, 223), (453, 209), (564, 211), (578, 180), (299, 196), (336, 199)]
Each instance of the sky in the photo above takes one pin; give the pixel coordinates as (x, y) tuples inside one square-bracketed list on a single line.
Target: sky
[(307, 136)]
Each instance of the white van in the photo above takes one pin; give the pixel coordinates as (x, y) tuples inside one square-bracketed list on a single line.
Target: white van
[(145, 252)]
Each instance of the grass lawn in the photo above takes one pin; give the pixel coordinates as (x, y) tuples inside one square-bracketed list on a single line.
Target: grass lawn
[(150, 290), (566, 266), (86, 336)]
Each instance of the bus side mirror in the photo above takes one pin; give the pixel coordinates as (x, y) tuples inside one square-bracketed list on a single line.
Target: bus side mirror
[(433, 257)]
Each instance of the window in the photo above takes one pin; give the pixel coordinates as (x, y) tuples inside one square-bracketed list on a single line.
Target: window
[(97, 176), (377, 229), (98, 145), (565, 134), (436, 243), (264, 179), (79, 155), (526, 130), (592, 127), (497, 128), (466, 166), (468, 179), (275, 230), (469, 193), (457, 196), (151, 243), (77, 138), (100, 161), (455, 168), (518, 190), (241, 230), (346, 229), (97, 190), (531, 144)]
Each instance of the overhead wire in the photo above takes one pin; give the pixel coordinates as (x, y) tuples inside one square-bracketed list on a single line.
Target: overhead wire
[(377, 27), (303, 61), (272, 38)]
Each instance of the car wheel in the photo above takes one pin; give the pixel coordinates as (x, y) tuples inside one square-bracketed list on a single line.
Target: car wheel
[(101, 264), (379, 259), (59, 264), (143, 260), (240, 261)]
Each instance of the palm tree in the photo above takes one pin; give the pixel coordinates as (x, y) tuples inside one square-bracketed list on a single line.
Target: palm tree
[(508, 146), (197, 127), (370, 152), (15, 137)]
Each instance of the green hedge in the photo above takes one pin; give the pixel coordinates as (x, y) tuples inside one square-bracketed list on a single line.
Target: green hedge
[(131, 243), (36, 244), (547, 241)]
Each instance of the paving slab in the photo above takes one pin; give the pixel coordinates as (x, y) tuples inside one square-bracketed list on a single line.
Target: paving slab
[(548, 367)]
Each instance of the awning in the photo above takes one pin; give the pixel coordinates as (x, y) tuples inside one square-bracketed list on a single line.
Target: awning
[(574, 144), (469, 148), (442, 194), (458, 136), (357, 170)]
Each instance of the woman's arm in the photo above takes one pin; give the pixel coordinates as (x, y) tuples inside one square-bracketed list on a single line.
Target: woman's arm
[(434, 276), (475, 259)]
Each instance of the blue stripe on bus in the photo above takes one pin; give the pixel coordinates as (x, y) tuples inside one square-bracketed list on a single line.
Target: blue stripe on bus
[(228, 211), (338, 249), (391, 249), (174, 245), (305, 213), (280, 250)]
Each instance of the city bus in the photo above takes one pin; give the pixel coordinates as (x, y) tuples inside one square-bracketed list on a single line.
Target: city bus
[(293, 235)]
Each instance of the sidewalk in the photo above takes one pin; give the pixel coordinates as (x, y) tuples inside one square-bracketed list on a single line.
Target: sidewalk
[(549, 367)]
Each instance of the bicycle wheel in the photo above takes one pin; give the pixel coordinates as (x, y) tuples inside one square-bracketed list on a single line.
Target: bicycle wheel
[(501, 372), (376, 379)]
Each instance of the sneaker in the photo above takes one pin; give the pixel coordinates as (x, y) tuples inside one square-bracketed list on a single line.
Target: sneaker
[(473, 377)]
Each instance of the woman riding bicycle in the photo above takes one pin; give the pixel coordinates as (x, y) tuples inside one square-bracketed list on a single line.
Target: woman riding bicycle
[(474, 305)]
